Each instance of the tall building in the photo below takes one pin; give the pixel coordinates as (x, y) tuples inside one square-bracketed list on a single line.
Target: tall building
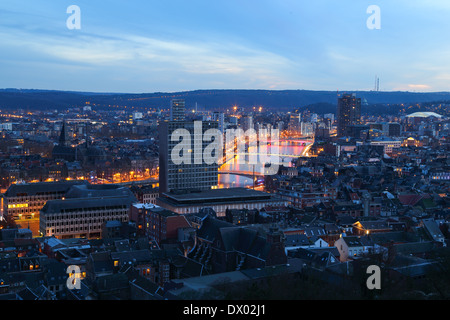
[(192, 173), (177, 110), (294, 123), (306, 129), (220, 117), (392, 129), (247, 123), (329, 119), (348, 113)]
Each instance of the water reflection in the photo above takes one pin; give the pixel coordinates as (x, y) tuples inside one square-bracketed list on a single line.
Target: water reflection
[(234, 181), (237, 164)]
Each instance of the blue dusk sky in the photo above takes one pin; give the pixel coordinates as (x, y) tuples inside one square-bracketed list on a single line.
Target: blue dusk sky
[(139, 46)]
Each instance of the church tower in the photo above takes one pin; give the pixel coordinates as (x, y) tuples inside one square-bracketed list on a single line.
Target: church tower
[(63, 136)]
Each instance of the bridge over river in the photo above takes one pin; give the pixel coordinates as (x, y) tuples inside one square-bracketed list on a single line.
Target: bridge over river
[(237, 170)]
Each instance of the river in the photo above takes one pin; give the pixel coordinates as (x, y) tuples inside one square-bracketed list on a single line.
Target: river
[(288, 151)]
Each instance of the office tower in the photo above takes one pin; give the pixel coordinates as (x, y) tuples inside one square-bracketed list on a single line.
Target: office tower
[(392, 129), (194, 173), (306, 129), (294, 123), (322, 130), (220, 117), (280, 125), (233, 120), (247, 123), (348, 113), (177, 110), (328, 118)]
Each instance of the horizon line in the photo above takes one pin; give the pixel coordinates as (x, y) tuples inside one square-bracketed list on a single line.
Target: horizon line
[(228, 89)]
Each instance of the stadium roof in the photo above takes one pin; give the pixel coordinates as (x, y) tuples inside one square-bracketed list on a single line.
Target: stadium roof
[(424, 115)]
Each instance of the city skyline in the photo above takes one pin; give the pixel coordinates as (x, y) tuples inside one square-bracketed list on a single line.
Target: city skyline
[(245, 151), (109, 204), (176, 46)]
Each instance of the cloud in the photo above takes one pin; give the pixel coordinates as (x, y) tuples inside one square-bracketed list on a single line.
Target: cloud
[(138, 54), (413, 87), (291, 45), (419, 86)]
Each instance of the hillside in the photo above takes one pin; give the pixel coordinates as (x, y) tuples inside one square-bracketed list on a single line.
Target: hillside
[(284, 100)]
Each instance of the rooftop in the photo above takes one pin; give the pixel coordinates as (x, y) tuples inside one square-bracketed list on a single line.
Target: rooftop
[(216, 196), (99, 190), (58, 206), (162, 211), (424, 115), (29, 189)]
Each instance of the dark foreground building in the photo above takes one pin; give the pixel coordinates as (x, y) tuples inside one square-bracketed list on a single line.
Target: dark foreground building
[(223, 247)]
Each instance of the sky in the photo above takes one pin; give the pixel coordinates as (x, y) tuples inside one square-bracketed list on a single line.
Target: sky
[(145, 46)]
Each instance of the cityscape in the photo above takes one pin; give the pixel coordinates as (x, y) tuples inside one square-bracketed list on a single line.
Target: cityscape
[(224, 194)]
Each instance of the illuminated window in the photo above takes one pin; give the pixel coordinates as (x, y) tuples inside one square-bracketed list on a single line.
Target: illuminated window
[(19, 205)]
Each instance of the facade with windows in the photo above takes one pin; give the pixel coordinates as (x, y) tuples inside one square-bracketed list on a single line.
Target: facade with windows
[(219, 200), (162, 224), (388, 144), (82, 217), (177, 109), (23, 201), (189, 170), (348, 113), (351, 247)]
